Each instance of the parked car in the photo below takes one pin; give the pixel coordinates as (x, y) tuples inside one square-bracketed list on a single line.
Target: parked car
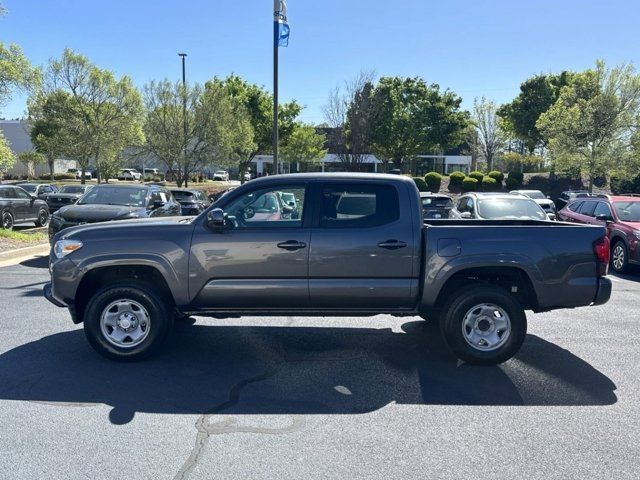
[(40, 190), (498, 206), (67, 195), (246, 176), (115, 202), (570, 195), (540, 198), (18, 206), (192, 202), (221, 175), (88, 174), (365, 255), (435, 205), (621, 216), (129, 174)]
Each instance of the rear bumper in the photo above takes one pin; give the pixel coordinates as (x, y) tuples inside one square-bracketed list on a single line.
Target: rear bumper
[(604, 291)]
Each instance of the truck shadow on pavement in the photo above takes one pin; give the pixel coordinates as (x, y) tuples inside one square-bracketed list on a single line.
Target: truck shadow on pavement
[(294, 370)]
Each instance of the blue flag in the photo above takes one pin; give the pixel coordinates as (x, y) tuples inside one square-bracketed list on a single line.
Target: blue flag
[(280, 15)]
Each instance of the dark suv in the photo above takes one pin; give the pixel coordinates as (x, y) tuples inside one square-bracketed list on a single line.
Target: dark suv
[(620, 214)]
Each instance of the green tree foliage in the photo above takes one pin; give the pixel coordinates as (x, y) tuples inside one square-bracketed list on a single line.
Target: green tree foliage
[(497, 176), (477, 175), (593, 120), (7, 158), (304, 146), (105, 113), (412, 117), (15, 72), (537, 95), (47, 116), (30, 159)]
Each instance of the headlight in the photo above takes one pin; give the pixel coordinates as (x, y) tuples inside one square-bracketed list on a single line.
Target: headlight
[(62, 248)]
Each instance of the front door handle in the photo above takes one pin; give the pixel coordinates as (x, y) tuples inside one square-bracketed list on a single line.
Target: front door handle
[(392, 244), (292, 245)]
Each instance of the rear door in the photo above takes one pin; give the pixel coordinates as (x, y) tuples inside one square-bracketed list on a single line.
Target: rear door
[(362, 247)]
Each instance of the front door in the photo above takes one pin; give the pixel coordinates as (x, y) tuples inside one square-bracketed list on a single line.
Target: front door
[(24, 206), (362, 248), (260, 259)]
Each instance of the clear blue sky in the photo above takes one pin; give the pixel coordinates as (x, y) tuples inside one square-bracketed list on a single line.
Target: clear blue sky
[(470, 46)]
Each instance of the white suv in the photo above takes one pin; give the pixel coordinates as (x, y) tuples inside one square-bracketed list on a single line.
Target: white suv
[(221, 175), (129, 174)]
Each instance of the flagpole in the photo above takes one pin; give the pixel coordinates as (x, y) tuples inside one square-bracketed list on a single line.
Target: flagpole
[(276, 8)]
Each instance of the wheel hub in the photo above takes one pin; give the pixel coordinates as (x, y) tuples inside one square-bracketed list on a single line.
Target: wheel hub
[(486, 326), (127, 321)]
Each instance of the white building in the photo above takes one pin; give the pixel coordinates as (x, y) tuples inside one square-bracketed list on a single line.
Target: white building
[(16, 133)]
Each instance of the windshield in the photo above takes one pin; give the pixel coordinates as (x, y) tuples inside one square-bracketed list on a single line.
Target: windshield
[(436, 202), (628, 211), (72, 189), (510, 208), (131, 197), (535, 194), (29, 188)]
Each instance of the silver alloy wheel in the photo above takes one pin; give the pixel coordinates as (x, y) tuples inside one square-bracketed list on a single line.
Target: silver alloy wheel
[(486, 327), (125, 323), (618, 257)]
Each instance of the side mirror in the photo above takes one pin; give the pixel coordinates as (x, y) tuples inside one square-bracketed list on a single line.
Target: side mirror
[(216, 217), (158, 204), (287, 209), (603, 218), (33, 197), (466, 215)]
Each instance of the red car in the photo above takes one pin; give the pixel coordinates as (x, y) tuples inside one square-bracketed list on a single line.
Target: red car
[(621, 215)]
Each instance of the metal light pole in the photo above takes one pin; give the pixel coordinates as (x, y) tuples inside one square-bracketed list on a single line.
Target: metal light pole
[(276, 34), (184, 116)]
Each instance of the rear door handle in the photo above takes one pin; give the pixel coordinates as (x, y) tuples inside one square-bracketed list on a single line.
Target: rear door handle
[(292, 245), (392, 244)]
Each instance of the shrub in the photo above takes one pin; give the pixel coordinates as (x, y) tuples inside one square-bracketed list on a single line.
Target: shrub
[(434, 180), (470, 184), (421, 184), (512, 183), (477, 175), (497, 176), (519, 176), (456, 178), (624, 184), (490, 184)]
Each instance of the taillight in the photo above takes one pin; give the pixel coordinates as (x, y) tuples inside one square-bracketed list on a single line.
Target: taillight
[(601, 249)]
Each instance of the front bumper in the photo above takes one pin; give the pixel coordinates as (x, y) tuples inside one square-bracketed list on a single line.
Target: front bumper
[(604, 291), (47, 291)]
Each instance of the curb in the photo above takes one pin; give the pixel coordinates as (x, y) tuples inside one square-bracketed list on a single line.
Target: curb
[(22, 253)]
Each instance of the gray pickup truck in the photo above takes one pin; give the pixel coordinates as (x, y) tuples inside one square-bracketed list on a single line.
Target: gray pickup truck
[(324, 245)]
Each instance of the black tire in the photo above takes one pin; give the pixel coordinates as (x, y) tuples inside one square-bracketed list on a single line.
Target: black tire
[(43, 217), (461, 304), (159, 325), (7, 220), (619, 257)]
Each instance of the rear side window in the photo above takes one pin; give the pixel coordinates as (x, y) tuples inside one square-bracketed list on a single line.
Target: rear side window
[(575, 206), (587, 208), (358, 206), (7, 193)]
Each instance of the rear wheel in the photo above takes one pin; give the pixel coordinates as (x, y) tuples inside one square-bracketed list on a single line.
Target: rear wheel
[(127, 321), (483, 325), (43, 217), (619, 257), (7, 220)]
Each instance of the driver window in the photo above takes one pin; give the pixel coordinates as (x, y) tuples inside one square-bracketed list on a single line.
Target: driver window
[(271, 207)]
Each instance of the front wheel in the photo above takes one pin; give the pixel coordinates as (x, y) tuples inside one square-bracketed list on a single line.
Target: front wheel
[(483, 325), (43, 217), (126, 321), (619, 257)]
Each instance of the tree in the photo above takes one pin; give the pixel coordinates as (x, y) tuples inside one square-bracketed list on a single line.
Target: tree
[(47, 116), (258, 103), (7, 158), (305, 146), (15, 72), (105, 113), (30, 159), (350, 114), (593, 119), (490, 136), (412, 117), (537, 95)]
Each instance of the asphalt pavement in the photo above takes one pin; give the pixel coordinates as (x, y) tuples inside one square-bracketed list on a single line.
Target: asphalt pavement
[(318, 398)]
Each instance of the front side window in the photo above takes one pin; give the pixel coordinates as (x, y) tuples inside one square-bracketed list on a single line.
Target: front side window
[(358, 206), (266, 208), (20, 193), (603, 209)]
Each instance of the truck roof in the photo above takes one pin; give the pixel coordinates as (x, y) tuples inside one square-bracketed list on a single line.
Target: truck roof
[(293, 177)]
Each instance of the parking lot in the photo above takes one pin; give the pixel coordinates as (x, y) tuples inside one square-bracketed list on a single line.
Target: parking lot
[(317, 398)]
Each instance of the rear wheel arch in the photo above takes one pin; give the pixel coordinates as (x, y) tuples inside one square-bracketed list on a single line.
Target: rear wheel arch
[(144, 276)]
